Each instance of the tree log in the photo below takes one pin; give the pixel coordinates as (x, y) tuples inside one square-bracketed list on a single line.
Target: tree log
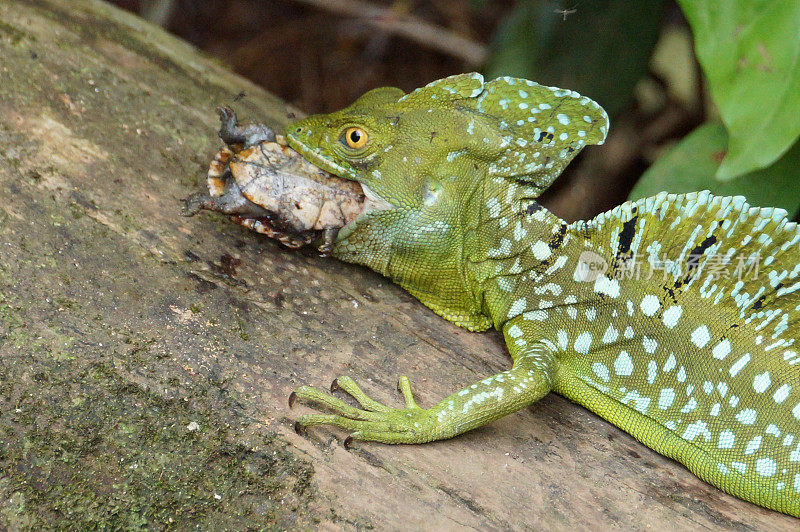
[(146, 359)]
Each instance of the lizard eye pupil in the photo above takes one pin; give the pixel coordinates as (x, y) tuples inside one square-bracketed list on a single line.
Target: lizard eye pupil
[(355, 137)]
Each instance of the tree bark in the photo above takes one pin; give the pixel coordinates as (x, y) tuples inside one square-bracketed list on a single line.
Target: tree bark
[(146, 359)]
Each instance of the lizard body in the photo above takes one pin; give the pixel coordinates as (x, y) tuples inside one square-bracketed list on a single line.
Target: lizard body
[(701, 368)]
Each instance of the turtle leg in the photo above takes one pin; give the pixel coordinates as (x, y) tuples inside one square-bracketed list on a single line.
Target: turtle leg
[(228, 200), (195, 203), (263, 227), (232, 133), (328, 239)]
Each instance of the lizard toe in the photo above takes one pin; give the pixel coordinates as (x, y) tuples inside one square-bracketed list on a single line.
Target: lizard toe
[(349, 386)]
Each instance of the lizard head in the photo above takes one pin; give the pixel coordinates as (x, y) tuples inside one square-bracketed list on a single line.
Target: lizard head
[(422, 159)]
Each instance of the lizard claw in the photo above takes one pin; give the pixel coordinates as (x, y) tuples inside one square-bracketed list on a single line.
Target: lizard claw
[(373, 421)]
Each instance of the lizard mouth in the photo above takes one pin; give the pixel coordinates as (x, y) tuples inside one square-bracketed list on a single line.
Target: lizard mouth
[(271, 189), (262, 183), (374, 202), (296, 197), (314, 157)]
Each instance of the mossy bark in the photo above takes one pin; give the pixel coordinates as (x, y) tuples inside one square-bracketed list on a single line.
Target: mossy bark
[(146, 358)]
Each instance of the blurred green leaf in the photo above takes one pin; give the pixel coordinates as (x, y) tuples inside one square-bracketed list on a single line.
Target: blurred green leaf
[(601, 49), (691, 165), (515, 43), (750, 53)]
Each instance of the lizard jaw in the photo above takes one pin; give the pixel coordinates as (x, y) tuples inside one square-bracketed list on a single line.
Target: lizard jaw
[(313, 156), (373, 202), (275, 190)]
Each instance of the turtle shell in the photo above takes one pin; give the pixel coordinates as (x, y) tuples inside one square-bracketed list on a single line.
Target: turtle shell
[(297, 193)]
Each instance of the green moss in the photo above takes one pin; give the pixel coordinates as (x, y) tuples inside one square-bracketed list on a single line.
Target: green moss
[(12, 325), (64, 303), (106, 28), (77, 211), (102, 423), (16, 35), (107, 454)]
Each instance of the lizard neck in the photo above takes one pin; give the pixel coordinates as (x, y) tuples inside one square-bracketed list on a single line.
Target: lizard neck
[(521, 255)]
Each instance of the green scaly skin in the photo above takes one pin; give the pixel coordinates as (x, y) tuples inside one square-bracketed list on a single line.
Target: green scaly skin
[(698, 367)]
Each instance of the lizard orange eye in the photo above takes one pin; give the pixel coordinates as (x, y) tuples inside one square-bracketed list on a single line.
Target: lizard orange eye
[(355, 137)]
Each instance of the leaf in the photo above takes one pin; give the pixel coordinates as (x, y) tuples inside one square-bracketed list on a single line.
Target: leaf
[(600, 50), (517, 41), (750, 53), (690, 166)]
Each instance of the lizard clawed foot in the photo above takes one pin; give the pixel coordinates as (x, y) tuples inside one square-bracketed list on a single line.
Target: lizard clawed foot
[(373, 421)]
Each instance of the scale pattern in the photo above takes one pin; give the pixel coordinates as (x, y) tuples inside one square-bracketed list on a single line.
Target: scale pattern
[(711, 359), (664, 337), (693, 361)]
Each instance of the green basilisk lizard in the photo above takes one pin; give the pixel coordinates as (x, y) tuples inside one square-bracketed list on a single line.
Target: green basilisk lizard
[(700, 367)]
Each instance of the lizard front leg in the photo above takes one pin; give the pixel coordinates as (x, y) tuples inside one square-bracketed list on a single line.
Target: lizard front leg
[(529, 379)]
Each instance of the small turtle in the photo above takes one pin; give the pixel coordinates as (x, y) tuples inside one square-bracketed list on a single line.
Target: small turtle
[(268, 187)]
